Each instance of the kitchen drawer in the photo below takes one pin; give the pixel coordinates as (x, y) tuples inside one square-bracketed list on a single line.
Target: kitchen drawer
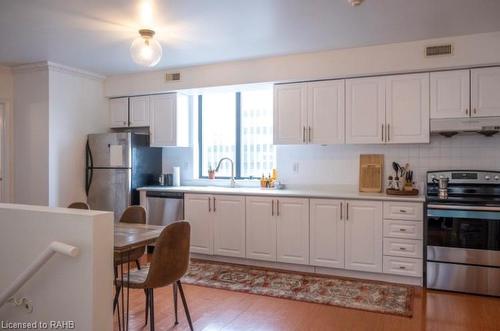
[(403, 266), (403, 229), (403, 211), (403, 247)]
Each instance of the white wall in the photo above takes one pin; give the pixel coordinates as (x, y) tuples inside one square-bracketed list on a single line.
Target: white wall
[(6, 97), (77, 108), (470, 50), (65, 289), (31, 136), (339, 164), (55, 107)]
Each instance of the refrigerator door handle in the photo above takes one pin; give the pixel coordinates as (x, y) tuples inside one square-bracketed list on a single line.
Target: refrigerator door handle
[(90, 171)]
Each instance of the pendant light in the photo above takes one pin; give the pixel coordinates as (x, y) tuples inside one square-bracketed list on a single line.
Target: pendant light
[(145, 50)]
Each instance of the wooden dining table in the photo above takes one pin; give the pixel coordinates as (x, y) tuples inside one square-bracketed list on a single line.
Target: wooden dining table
[(128, 236)]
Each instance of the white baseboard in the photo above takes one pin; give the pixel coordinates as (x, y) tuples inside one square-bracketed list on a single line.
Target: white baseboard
[(416, 281)]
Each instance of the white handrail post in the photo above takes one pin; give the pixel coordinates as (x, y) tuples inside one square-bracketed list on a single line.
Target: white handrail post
[(54, 247)]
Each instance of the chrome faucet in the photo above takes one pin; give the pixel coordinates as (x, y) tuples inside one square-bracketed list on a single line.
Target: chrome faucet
[(233, 183)]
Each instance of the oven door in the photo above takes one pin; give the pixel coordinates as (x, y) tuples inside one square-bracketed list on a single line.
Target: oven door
[(463, 234)]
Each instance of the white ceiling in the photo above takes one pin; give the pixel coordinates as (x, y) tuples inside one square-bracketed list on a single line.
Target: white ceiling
[(96, 35)]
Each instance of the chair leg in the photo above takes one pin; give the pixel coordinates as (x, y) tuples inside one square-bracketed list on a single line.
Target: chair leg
[(186, 309), (117, 295), (138, 264), (146, 308), (151, 310), (174, 285)]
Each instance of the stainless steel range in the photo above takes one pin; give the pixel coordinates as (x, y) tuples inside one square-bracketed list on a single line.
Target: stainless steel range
[(463, 231)]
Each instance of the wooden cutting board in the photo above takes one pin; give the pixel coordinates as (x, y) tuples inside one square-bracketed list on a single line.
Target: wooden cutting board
[(371, 168)]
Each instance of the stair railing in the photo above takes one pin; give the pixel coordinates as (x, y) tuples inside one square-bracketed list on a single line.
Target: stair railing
[(53, 248)]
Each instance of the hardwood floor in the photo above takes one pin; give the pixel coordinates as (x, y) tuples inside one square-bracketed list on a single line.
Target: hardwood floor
[(213, 309)]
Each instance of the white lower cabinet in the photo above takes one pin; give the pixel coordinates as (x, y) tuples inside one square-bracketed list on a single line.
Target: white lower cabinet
[(292, 230), (326, 233), (403, 234), (346, 234), (277, 229), (229, 225), (358, 235), (363, 235), (197, 211), (260, 229), (403, 266), (217, 224)]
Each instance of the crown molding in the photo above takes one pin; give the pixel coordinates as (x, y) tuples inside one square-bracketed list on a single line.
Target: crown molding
[(47, 65), (4, 69)]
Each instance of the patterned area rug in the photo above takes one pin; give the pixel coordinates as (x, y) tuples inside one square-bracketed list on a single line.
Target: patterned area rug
[(349, 293)]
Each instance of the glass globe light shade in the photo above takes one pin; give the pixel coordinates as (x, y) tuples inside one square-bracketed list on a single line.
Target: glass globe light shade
[(145, 50)]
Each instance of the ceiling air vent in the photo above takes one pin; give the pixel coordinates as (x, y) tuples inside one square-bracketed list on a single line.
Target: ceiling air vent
[(438, 50), (173, 76)]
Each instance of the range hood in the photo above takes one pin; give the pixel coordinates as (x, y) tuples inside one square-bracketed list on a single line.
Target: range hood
[(448, 127)]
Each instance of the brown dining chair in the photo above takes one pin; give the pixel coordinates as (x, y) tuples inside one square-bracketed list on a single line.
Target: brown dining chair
[(135, 215), (79, 205), (169, 263)]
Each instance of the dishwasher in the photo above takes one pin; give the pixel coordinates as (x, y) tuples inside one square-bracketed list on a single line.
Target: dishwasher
[(164, 208)]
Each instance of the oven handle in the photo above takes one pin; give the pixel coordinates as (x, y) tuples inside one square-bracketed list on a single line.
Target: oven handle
[(473, 208)]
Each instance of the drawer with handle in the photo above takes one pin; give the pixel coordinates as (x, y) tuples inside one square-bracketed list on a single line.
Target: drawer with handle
[(403, 211), (403, 247), (403, 229), (402, 266)]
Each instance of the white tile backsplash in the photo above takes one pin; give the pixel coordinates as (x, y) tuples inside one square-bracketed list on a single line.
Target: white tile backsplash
[(339, 164)]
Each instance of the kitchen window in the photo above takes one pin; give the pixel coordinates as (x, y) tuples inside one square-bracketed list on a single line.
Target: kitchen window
[(238, 125)]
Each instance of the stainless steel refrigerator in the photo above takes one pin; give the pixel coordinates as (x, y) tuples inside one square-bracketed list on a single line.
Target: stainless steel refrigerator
[(117, 164)]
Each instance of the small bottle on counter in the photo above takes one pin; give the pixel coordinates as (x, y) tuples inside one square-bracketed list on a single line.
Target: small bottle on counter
[(263, 181)]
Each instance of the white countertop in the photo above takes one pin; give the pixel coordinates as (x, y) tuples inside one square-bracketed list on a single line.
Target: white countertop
[(334, 192)]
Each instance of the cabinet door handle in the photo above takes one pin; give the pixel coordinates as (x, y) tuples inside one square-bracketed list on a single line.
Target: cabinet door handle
[(388, 132), (310, 130), (466, 111), (402, 230), (402, 248), (272, 207), (402, 267), (402, 211), (347, 211), (214, 204), (303, 134), (382, 133), (341, 207), (475, 111), (277, 208), (209, 205)]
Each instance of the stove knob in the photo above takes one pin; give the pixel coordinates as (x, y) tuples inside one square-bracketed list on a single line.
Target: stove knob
[(496, 177), (487, 177)]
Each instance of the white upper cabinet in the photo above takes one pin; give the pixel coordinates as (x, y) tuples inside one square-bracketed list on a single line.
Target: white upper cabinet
[(169, 120), (326, 111), (363, 235), (292, 230), (390, 109), (326, 233), (139, 111), (229, 225), (290, 114), (407, 109), (118, 113), (365, 110), (450, 97), (260, 228), (485, 89)]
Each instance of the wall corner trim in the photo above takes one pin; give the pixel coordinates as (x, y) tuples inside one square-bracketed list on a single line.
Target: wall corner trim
[(47, 65)]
